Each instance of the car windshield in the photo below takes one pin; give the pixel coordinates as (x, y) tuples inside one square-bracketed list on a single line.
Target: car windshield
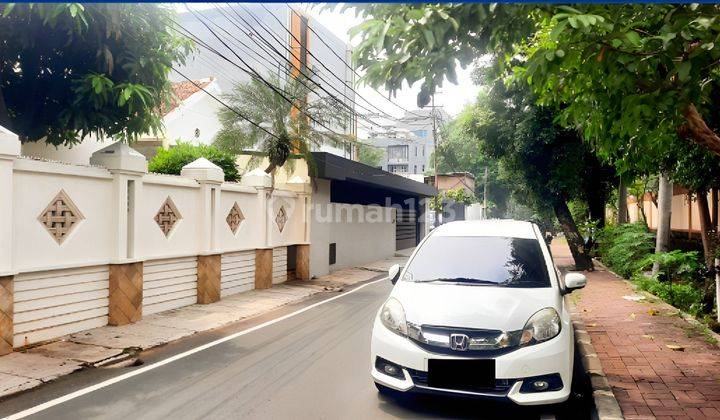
[(480, 261)]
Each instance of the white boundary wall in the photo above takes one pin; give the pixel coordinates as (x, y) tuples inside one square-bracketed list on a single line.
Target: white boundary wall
[(237, 272), (63, 226)]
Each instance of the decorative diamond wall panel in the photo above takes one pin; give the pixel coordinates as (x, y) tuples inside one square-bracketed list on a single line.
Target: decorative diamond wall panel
[(167, 216), (281, 218), (235, 218), (60, 217)]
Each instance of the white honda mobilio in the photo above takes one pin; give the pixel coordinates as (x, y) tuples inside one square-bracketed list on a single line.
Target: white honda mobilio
[(478, 311)]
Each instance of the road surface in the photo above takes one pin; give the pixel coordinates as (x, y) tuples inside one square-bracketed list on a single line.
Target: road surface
[(311, 365)]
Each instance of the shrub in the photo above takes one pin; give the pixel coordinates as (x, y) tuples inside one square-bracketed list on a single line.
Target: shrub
[(681, 295), (676, 265), (624, 248), (172, 160)]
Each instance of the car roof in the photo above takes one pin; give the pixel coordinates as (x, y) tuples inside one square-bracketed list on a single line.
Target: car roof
[(493, 227)]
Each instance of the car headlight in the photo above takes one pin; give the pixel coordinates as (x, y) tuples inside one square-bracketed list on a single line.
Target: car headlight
[(542, 326), (392, 315)]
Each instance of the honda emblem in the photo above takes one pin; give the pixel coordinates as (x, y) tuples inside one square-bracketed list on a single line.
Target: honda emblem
[(459, 342)]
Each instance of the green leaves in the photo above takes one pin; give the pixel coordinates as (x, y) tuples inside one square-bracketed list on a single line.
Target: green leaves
[(92, 77), (293, 125), (633, 38), (429, 38), (683, 71), (170, 161)]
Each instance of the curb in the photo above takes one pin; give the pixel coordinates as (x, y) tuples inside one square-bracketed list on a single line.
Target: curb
[(606, 405)]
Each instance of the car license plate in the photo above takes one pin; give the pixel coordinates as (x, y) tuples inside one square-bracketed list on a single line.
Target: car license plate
[(461, 374)]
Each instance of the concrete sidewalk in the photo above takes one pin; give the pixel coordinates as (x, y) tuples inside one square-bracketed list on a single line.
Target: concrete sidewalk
[(31, 367), (658, 365)]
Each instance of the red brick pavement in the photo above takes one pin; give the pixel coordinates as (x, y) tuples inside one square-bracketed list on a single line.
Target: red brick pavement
[(648, 379)]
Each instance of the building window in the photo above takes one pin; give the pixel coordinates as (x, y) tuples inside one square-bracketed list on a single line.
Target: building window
[(421, 133), (397, 152), (423, 168), (397, 168), (423, 150), (414, 169), (415, 150)]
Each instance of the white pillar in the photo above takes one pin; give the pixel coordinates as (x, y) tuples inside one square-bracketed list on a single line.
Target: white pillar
[(9, 151), (262, 182), (128, 168), (210, 177), (303, 188)]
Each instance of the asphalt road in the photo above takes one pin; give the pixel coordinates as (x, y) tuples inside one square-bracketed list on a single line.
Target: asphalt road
[(309, 366)]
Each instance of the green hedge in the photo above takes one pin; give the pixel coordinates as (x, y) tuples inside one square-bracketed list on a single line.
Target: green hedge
[(682, 295), (172, 160), (629, 251), (624, 248)]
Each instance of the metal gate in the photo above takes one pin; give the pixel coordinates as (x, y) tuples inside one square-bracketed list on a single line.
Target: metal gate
[(405, 229)]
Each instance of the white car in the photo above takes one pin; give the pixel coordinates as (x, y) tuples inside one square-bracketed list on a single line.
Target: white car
[(478, 311)]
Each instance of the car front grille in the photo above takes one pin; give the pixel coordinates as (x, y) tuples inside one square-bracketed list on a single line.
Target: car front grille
[(483, 343)]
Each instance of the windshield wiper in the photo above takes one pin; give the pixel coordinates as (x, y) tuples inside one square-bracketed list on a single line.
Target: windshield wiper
[(464, 280)]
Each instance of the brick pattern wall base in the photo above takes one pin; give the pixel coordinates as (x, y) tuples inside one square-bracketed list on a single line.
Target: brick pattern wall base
[(126, 293), (302, 262), (263, 268), (6, 314), (208, 280)]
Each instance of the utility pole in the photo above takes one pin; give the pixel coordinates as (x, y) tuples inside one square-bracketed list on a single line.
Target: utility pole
[(435, 140), (485, 193), (435, 160)]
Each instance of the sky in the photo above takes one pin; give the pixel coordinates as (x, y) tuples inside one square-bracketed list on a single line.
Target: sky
[(452, 97)]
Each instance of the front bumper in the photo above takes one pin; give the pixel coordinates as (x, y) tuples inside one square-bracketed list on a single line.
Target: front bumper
[(552, 356)]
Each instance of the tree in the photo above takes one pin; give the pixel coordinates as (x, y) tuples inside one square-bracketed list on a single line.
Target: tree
[(545, 164), (461, 151), (172, 160), (662, 239), (699, 171), (295, 122), (633, 77), (369, 155), (71, 70)]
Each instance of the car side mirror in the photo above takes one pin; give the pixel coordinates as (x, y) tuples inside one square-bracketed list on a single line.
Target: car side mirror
[(394, 273), (574, 281)]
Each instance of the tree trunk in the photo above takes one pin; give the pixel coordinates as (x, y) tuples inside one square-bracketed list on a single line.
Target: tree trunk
[(665, 190), (696, 130), (641, 208), (714, 208), (622, 203), (596, 206), (717, 288), (707, 231), (574, 240)]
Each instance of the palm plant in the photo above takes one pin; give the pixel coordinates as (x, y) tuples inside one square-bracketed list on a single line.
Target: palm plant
[(297, 124)]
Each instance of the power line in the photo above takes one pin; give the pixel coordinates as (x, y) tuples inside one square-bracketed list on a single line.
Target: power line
[(344, 82), (246, 27), (253, 73), (239, 114), (349, 66), (275, 37)]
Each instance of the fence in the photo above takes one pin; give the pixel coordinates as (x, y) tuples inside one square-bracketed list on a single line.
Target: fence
[(87, 246)]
